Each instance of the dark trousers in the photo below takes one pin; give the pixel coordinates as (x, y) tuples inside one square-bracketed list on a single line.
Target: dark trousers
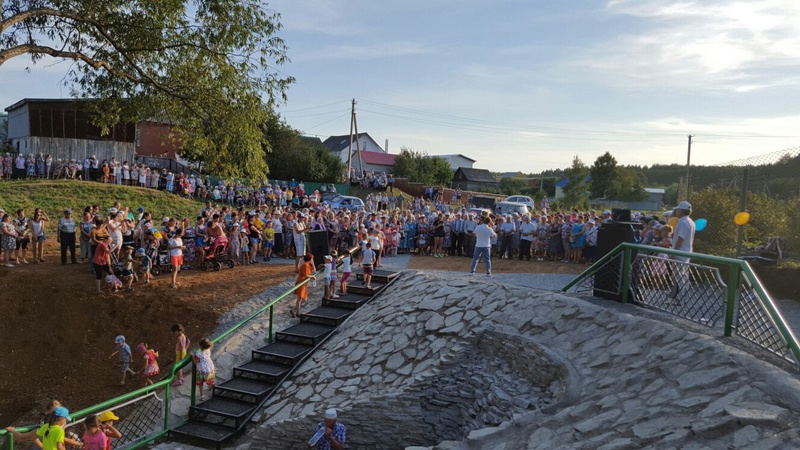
[(525, 249), (469, 243), (458, 244), (507, 246), (278, 243), (67, 242)]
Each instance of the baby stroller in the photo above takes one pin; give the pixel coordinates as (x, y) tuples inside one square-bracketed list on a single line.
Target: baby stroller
[(160, 260), (217, 255)]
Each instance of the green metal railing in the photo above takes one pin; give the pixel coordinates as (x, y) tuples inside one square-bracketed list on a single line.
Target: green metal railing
[(696, 290), (7, 439)]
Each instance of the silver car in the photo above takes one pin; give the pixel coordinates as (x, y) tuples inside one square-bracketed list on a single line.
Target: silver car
[(347, 202)]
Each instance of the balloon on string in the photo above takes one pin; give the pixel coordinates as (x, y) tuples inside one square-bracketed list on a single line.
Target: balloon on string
[(673, 221), (700, 225), (741, 218)]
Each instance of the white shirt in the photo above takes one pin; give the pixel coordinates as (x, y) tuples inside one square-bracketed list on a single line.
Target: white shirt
[(176, 241), (327, 272), (529, 227), (507, 227), (484, 235), (684, 229), (346, 264)]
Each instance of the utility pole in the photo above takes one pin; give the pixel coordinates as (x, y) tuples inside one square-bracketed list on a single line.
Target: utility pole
[(688, 165), (350, 151), (358, 147)]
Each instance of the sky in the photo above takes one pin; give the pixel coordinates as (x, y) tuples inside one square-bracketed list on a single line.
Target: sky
[(526, 85)]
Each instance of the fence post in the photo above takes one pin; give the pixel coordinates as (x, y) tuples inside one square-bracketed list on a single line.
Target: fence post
[(271, 311), (194, 383), (626, 273), (730, 303), (742, 207)]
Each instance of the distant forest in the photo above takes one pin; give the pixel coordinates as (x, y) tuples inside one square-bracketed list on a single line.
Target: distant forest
[(780, 179)]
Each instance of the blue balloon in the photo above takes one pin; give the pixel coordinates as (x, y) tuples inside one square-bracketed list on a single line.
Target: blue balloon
[(700, 225)]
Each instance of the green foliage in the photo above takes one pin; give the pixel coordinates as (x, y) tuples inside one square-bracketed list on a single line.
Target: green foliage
[(418, 167), (576, 191), (202, 65), (768, 217), (511, 186), (294, 158), (627, 186), (671, 194), (603, 172)]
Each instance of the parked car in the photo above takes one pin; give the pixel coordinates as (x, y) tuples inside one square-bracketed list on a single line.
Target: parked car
[(347, 202), (328, 196), (511, 208), (522, 199)]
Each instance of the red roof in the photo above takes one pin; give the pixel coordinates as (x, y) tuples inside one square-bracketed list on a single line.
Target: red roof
[(378, 159)]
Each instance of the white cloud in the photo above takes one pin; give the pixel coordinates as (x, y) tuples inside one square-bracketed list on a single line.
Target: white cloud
[(723, 44)]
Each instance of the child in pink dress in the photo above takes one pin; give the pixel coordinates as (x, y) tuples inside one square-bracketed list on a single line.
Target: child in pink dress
[(150, 362)]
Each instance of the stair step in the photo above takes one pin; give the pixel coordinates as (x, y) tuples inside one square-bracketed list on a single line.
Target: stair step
[(262, 370), (304, 332), (203, 432), (327, 315), (252, 390), (283, 352), (378, 275), (359, 288), (349, 301), (234, 409)]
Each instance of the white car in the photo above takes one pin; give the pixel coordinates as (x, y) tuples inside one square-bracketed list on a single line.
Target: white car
[(348, 203), (521, 199)]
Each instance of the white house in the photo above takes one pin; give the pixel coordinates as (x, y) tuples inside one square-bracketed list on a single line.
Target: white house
[(457, 161), (339, 145)]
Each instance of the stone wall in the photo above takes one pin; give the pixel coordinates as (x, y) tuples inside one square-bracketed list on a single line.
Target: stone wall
[(604, 379)]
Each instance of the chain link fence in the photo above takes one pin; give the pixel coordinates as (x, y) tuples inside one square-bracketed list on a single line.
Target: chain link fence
[(767, 187)]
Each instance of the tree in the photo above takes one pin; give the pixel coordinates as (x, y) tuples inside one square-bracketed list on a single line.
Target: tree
[(294, 158), (418, 167), (205, 66), (575, 192), (603, 172), (627, 186)]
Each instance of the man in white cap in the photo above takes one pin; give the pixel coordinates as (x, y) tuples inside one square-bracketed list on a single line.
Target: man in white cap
[(329, 434), (683, 240)]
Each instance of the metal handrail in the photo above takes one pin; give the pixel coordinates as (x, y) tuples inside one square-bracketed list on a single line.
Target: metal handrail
[(737, 268)]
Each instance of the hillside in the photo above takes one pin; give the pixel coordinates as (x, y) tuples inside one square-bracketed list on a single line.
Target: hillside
[(56, 195)]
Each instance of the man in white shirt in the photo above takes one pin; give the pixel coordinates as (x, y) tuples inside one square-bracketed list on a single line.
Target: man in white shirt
[(682, 239), (527, 231), (507, 230), (483, 242)]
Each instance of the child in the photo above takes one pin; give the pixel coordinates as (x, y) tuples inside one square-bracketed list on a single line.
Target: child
[(52, 433), (144, 264), (304, 272), (236, 243), (346, 261), (395, 241), (94, 438), (106, 419), (181, 345), (48, 418), (269, 240), (127, 274), (327, 275), (150, 362), (124, 352), (114, 284), (205, 366), (367, 260), (334, 275)]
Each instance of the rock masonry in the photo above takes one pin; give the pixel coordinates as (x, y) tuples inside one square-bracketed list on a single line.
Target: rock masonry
[(455, 364)]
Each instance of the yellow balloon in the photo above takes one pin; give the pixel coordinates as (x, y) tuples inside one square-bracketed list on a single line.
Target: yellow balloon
[(673, 221), (741, 218)]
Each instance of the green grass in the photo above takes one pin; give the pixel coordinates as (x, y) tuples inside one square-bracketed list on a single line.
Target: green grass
[(54, 196)]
